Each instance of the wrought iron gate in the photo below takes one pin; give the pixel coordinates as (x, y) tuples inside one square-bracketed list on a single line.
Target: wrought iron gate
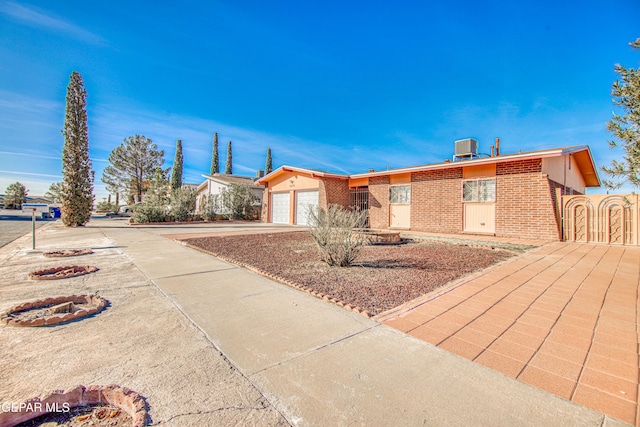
[(359, 200)]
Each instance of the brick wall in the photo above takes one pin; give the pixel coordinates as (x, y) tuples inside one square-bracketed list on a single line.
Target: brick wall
[(264, 215), (333, 191), (379, 202), (436, 201), (524, 203), (525, 200)]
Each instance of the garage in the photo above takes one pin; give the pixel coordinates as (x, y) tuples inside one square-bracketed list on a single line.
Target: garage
[(280, 205), (305, 200)]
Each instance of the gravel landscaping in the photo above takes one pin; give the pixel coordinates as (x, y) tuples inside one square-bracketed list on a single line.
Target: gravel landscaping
[(382, 278)]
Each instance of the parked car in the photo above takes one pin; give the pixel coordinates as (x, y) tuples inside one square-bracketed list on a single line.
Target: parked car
[(125, 210)]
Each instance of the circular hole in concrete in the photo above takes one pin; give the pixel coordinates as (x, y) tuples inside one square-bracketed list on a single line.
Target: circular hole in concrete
[(67, 253), (52, 311), (93, 405), (62, 272)]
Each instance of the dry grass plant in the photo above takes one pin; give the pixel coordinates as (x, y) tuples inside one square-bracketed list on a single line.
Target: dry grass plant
[(335, 231)]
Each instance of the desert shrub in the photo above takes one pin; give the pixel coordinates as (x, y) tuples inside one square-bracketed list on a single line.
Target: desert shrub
[(335, 232), (148, 212), (154, 205), (183, 204), (105, 206), (237, 201), (210, 207)]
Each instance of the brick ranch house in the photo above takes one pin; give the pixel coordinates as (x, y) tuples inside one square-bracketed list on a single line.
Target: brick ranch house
[(512, 195)]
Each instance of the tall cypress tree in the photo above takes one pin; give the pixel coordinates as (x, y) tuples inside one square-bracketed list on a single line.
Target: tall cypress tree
[(178, 163), (77, 184), (215, 162), (268, 167), (229, 169)]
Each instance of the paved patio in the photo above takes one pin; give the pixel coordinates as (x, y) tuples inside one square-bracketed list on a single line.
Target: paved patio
[(563, 318)]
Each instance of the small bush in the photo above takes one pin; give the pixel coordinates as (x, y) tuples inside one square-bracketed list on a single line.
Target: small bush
[(183, 204), (153, 206), (148, 212), (335, 234), (105, 206), (237, 201), (209, 208)]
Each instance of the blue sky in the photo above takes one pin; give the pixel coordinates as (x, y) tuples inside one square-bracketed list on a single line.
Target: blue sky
[(332, 85)]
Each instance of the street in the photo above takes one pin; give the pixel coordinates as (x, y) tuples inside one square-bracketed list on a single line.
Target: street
[(12, 227)]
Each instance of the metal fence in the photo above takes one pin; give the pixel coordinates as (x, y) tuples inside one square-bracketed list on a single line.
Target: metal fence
[(359, 200)]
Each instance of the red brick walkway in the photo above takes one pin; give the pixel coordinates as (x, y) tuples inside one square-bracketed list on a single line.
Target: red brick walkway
[(563, 318)]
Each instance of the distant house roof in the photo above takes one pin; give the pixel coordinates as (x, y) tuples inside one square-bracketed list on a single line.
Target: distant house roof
[(39, 199), (313, 172), (31, 199), (230, 179)]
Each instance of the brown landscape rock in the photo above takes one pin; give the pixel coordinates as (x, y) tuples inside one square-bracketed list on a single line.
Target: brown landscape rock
[(382, 277)]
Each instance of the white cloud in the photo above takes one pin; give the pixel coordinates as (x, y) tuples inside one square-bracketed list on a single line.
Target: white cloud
[(30, 155), (30, 174), (39, 19), (249, 146), (37, 184)]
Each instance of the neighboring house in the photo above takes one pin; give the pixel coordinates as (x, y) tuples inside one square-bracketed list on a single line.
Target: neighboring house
[(30, 199), (214, 184), (513, 195), (38, 199)]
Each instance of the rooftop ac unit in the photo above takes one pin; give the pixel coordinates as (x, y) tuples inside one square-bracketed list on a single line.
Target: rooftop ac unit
[(466, 148)]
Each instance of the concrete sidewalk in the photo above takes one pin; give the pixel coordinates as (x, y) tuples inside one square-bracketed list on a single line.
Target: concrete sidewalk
[(322, 365)]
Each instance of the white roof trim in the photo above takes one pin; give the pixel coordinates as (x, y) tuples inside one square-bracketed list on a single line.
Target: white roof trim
[(484, 160)]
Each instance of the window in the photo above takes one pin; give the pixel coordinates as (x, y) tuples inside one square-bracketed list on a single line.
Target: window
[(479, 190), (400, 194)]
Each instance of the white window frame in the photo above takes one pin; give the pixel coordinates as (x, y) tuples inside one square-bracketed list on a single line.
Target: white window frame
[(482, 190)]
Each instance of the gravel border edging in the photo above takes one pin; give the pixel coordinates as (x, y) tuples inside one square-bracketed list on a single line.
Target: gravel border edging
[(67, 253), (121, 397), (97, 303), (56, 273)]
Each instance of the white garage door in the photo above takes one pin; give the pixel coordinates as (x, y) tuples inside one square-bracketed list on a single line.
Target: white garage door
[(305, 200), (280, 208)]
